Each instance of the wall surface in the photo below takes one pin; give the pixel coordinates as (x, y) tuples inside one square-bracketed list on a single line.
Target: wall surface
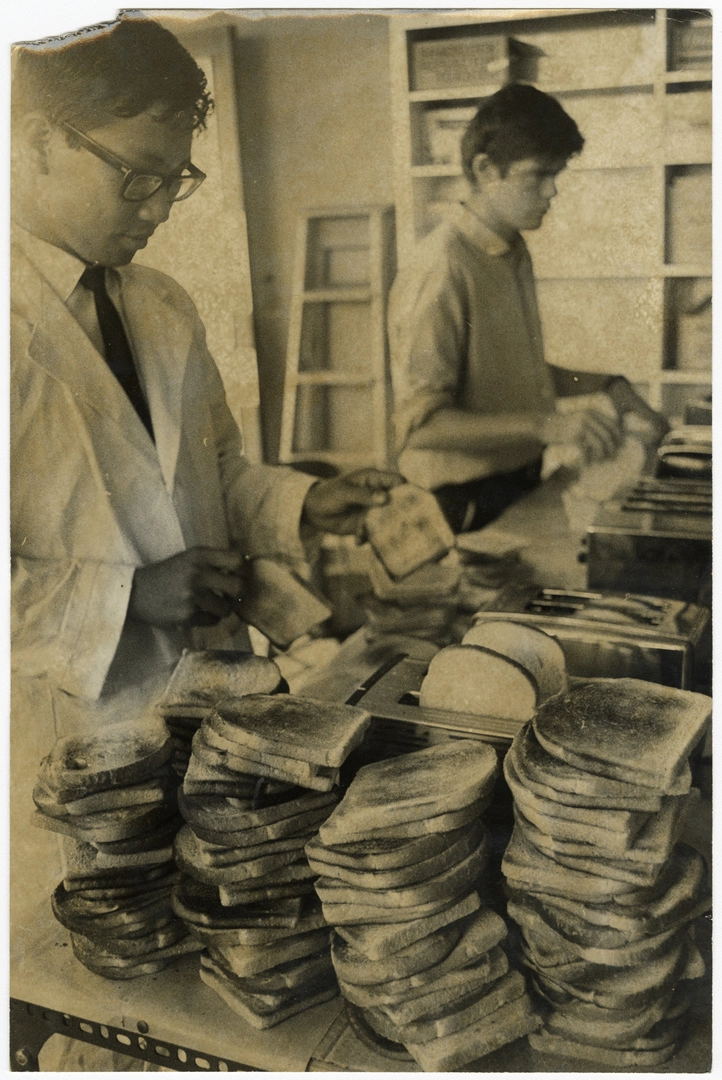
[(314, 105)]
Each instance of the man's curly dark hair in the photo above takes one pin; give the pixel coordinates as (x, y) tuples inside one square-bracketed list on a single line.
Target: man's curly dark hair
[(116, 70)]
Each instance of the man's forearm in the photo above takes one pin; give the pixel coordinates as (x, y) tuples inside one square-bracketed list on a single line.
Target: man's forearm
[(468, 432), (569, 383)]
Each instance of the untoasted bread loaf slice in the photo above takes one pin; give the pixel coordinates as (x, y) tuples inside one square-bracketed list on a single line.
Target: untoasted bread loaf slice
[(626, 729), (318, 732), (538, 652), (122, 754), (412, 787), (409, 531), (475, 679), (379, 942), (431, 582)]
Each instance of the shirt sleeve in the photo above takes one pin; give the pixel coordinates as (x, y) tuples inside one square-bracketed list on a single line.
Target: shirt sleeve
[(428, 341)]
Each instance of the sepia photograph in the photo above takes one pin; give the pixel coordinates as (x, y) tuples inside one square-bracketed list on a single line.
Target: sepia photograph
[(360, 498)]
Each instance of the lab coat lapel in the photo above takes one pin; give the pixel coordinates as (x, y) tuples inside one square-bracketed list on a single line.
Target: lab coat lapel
[(161, 340), (80, 366)]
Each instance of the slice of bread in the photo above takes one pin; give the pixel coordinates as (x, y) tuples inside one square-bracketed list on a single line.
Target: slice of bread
[(460, 1014), (318, 732), (528, 868), (408, 531), (354, 967), (122, 754), (320, 779), (507, 1023), (242, 893), (629, 730), (450, 882), (351, 914), (292, 975), (437, 997), (480, 934), (224, 814), (279, 603), (461, 843), (299, 825), (303, 771), (204, 676), (572, 785), (245, 960), (250, 870), (146, 793), (379, 942), (205, 854), (200, 905), (224, 987), (265, 1001), (475, 679), (639, 1060), (385, 853), (220, 938), (427, 585), (538, 652), (412, 787)]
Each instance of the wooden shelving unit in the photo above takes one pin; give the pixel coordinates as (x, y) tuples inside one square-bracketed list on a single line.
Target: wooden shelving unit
[(335, 403), (633, 214)]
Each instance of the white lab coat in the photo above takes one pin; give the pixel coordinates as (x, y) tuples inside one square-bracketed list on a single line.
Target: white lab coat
[(92, 499)]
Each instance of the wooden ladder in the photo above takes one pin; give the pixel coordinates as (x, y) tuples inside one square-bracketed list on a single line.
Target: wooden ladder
[(336, 393)]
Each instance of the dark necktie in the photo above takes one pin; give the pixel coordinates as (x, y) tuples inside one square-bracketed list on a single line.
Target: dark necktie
[(117, 349)]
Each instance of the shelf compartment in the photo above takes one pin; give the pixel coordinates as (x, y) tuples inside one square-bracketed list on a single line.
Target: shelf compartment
[(688, 238), (688, 125), (620, 127), (603, 222), (332, 420), (613, 48), (688, 326), (689, 40), (603, 325), (335, 338)]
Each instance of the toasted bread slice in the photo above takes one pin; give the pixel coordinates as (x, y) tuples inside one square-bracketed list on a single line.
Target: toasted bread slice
[(250, 870), (639, 1060), (507, 1023), (340, 915), (461, 843), (453, 986), (352, 966), (431, 582), (245, 960), (319, 778), (385, 853), (629, 730), (412, 787), (379, 942), (203, 677), (225, 814), (538, 652), (279, 603), (122, 754), (299, 825), (475, 679), (318, 732), (485, 1001), (409, 531), (299, 883), (225, 988), (450, 882), (200, 904), (304, 773), (571, 785)]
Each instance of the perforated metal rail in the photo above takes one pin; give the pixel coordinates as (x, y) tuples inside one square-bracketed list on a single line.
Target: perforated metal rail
[(32, 1025)]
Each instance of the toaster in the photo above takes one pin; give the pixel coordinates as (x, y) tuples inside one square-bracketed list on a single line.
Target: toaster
[(615, 635)]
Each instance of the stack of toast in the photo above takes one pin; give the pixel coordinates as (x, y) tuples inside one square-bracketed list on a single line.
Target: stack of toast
[(261, 779), (600, 885), (413, 570), (201, 679), (400, 861), (112, 799)]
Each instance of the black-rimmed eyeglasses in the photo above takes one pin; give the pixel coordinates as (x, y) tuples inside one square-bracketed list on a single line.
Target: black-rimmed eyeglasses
[(137, 185)]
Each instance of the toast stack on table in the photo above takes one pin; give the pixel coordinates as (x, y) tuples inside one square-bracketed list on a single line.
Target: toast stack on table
[(400, 862), (261, 779), (598, 882), (203, 678), (112, 799)]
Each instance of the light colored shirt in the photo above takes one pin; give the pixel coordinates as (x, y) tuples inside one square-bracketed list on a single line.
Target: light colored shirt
[(464, 332)]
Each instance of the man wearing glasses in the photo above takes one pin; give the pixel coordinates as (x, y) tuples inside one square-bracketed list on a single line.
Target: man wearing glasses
[(132, 504)]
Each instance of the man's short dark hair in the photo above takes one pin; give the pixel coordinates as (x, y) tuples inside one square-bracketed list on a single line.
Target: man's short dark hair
[(111, 71), (519, 122)]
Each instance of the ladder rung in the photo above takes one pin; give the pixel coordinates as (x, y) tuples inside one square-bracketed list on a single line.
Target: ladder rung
[(346, 295), (331, 378)]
